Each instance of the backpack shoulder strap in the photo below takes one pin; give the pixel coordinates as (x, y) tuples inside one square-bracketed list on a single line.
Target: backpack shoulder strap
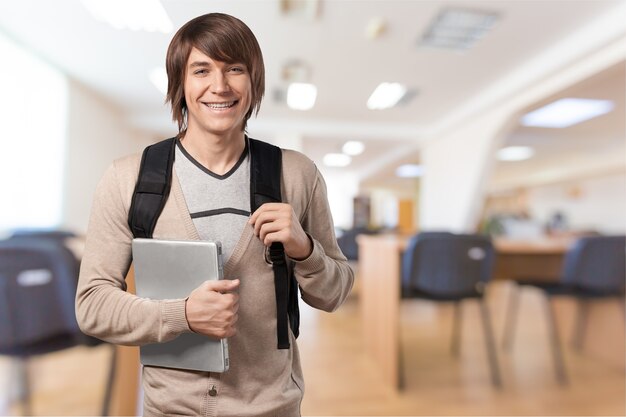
[(152, 188), (265, 178), (265, 173)]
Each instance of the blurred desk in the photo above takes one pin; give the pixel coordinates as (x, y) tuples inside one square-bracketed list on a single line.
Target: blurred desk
[(380, 271), (540, 259)]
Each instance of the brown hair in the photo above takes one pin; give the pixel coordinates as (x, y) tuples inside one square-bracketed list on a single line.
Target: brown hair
[(223, 38)]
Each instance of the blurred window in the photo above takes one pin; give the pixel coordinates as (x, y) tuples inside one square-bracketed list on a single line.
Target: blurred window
[(32, 138)]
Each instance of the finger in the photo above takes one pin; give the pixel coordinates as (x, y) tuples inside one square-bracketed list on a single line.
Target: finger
[(264, 218), (267, 207), (230, 332), (231, 300), (274, 237), (222, 285), (275, 226)]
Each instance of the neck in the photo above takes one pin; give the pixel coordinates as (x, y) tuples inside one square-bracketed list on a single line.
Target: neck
[(217, 153)]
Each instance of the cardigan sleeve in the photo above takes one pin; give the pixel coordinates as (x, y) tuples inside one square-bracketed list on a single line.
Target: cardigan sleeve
[(325, 276), (103, 307)]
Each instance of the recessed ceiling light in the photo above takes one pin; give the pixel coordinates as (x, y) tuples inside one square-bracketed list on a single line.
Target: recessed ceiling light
[(158, 76), (353, 148), (148, 15), (515, 153), (567, 112), (386, 95), (410, 171), (458, 29), (301, 96), (337, 160)]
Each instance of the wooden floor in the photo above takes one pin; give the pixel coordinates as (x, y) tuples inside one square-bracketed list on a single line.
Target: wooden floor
[(341, 380)]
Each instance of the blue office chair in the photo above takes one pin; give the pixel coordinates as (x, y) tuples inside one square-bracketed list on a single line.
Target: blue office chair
[(594, 268), (38, 279), (445, 267)]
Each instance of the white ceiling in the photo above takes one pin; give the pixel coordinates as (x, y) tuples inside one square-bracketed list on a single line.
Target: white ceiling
[(346, 66), (601, 131)]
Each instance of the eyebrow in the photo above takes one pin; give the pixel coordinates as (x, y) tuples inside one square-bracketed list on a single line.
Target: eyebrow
[(199, 64)]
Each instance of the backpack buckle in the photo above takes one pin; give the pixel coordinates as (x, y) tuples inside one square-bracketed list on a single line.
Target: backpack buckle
[(276, 254)]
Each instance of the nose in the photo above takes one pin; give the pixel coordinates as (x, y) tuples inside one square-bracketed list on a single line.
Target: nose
[(219, 83)]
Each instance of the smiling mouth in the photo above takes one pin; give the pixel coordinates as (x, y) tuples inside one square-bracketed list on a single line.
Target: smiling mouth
[(221, 106)]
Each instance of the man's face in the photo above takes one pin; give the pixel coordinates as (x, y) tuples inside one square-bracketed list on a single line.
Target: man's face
[(218, 95)]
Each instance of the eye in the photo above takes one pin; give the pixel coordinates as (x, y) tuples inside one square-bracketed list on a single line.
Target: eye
[(237, 69), (200, 71)]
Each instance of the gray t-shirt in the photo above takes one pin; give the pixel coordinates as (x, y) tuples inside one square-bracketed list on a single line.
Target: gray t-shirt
[(219, 205)]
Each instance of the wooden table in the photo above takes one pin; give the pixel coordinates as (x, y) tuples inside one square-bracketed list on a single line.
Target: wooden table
[(379, 272)]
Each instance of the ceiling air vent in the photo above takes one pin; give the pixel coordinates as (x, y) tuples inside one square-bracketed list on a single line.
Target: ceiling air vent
[(458, 29)]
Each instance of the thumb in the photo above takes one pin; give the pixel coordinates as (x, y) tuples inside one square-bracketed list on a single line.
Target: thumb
[(223, 285)]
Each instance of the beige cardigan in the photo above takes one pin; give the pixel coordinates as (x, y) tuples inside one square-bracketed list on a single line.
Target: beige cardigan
[(262, 380)]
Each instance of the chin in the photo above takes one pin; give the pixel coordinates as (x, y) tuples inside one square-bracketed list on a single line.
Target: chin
[(224, 130)]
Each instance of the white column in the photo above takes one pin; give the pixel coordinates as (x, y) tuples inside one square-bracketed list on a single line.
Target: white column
[(456, 167)]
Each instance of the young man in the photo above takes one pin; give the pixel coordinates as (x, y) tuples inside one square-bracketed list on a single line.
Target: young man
[(216, 81)]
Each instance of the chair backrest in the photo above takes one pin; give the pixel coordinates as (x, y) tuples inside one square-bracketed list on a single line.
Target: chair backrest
[(445, 264), (597, 263), (38, 279), (55, 234)]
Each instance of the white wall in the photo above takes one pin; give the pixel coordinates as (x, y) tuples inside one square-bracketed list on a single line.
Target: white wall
[(342, 187), (97, 133), (591, 204), (33, 110)]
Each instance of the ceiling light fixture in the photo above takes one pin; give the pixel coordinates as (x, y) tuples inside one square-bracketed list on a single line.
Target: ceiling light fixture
[(147, 15), (386, 96), (301, 96), (337, 160), (515, 153), (458, 29), (567, 112), (353, 148), (158, 76), (409, 171)]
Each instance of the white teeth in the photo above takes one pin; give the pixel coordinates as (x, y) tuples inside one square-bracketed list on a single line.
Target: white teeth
[(220, 105)]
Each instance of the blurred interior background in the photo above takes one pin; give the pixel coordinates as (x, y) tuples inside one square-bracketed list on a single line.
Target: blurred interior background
[(501, 121)]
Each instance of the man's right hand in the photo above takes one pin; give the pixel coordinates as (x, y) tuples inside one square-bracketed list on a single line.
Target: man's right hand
[(211, 309)]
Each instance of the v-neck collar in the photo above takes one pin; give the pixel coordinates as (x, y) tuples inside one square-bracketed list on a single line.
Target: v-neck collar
[(204, 169)]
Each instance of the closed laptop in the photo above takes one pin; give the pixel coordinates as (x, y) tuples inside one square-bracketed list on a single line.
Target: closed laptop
[(171, 269)]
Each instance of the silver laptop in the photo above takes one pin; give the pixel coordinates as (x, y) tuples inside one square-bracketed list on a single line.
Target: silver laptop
[(171, 269)]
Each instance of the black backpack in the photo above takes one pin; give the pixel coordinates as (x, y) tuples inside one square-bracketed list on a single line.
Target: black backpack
[(153, 187)]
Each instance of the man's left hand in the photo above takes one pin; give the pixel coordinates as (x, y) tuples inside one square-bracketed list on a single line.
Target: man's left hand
[(277, 222)]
